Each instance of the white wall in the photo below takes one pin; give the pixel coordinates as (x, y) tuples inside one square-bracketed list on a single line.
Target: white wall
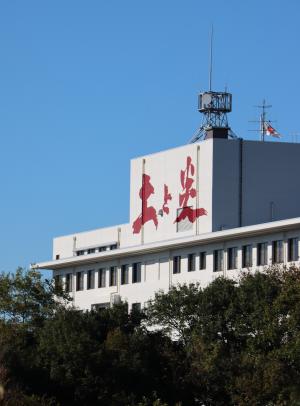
[(268, 173), (157, 270), (165, 168)]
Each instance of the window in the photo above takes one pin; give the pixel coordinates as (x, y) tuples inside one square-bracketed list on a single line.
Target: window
[(80, 252), (79, 281), (184, 224), (136, 307), (202, 260), (57, 256), (113, 276), (101, 249), (136, 272), (293, 249), (58, 281), (247, 256), (102, 278), (177, 264), (191, 262), (124, 274), (232, 258), (91, 251), (100, 306), (113, 247), (218, 260), (69, 284), (277, 255), (90, 279), (262, 253)]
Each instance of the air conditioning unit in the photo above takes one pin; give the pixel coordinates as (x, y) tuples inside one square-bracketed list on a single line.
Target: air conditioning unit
[(115, 299)]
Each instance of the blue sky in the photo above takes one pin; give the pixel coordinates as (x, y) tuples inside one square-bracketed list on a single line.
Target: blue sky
[(87, 85)]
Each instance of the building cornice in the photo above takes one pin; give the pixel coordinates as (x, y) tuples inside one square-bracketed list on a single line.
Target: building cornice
[(158, 246)]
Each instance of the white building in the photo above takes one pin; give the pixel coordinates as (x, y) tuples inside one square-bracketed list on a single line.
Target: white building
[(196, 212), (203, 210)]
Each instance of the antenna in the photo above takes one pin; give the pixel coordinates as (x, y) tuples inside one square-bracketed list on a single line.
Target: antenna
[(262, 119), (214, 107), (210, 57)]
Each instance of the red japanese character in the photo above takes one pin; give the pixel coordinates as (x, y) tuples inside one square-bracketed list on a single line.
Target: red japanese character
[(186, 179), (148, 213), (167, 197)]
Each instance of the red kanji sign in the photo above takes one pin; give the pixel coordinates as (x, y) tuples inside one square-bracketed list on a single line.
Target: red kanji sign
[(187, 180), (167, 197), (148, 213)]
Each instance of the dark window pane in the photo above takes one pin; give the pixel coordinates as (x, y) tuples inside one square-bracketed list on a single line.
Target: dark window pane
[(277, 254), (191, 262), (136, 307), (177, 264), (136, 272), (202, 260), (247, 256), (218, 260), (232, 258), (113, 276), (58, 281), (79, 281), (124, 274), (102, 278), (69, 280), (292, 249), (90, 279), (262, 253)]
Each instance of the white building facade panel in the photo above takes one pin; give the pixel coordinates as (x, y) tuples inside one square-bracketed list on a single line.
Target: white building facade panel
[(196, 212)]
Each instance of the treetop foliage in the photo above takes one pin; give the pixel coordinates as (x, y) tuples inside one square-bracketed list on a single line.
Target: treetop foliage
[(234, 342)]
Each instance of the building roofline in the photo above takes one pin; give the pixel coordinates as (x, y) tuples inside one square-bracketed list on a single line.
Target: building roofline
[(158, 246)]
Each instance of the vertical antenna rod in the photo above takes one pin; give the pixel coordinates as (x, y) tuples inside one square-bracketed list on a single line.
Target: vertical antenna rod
[(211, 56), (262, 119)]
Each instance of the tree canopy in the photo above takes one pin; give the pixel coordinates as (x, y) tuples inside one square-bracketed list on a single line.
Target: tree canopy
[(230, 343)]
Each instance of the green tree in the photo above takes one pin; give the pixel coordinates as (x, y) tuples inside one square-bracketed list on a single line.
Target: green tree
[(26, 302), (26, 299), (241, 339)]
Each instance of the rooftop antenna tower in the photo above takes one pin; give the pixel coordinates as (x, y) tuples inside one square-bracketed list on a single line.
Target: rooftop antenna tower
[(214, 106), (265, 127), (262, 119)]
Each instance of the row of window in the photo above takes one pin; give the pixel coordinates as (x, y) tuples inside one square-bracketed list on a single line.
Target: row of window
[(102, 279), (135, 307), (95, 250), (247, 262), (218, 264)]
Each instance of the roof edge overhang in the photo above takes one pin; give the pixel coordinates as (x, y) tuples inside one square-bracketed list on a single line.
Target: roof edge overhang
[(159, 246)]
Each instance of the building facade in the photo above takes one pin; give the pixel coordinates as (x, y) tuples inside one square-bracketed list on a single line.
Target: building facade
[(199, 211)]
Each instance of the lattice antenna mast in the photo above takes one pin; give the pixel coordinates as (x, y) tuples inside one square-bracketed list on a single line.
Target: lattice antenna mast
[(214, 106)]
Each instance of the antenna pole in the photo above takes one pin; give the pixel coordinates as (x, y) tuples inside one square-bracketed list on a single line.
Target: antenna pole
[(211, 56), (263, 120)]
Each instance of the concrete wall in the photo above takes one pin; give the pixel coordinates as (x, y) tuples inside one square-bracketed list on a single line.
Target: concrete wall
[(271, 173), (157, 270), (236, 183), (267, 172), (165, 168)]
